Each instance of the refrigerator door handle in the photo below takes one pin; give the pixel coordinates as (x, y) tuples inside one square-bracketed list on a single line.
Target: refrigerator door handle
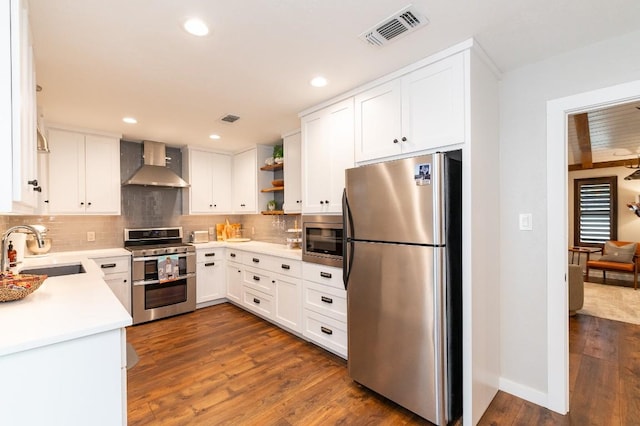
[(347, 229)]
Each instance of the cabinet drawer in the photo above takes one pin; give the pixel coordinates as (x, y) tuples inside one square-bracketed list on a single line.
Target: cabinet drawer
[(257, 302), (256, 279), (325, 300), (234, 255), (279, 265), (327, 275), (258, 260), (326, 332), (209, 255), (113, 265)]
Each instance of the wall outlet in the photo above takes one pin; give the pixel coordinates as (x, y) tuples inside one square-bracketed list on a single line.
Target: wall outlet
[(253, 231), (91, 236), (212, 230)]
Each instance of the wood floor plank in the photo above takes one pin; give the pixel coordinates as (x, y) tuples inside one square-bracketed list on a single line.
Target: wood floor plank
[(595, 400), (602, 340)]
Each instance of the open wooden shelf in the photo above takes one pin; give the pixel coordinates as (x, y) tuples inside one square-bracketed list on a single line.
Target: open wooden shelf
[(274, 189), (272, 167), (273, 212)]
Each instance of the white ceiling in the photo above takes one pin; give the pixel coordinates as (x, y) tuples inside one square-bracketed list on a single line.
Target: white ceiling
[(99, 61)]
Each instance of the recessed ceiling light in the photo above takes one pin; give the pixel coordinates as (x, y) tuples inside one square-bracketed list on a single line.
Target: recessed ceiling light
[(319, 82), (130, 120), (214, 136), (196, 27)]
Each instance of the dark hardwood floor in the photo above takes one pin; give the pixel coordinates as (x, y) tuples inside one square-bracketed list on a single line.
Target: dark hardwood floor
[(604, 380), (221, 365)]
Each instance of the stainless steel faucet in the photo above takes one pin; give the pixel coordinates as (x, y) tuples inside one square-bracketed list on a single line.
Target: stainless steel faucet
[(3, 244)]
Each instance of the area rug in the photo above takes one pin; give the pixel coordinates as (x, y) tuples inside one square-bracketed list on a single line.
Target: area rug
[(611, 302), (132, 356)]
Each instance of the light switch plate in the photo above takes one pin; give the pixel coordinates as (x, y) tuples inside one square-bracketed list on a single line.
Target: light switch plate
[(91, 236), (526, 222)]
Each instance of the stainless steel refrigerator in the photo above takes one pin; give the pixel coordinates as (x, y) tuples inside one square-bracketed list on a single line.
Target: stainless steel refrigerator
[(403, 274)]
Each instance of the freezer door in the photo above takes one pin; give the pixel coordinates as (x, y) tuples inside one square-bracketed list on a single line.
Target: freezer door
[(395, 343), (396, 201)]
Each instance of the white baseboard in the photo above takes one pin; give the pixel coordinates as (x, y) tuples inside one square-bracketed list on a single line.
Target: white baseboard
[(532, 395)]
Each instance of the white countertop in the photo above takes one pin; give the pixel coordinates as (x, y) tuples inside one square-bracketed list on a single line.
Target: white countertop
[(63, 308), (74, 306), (280, 250)]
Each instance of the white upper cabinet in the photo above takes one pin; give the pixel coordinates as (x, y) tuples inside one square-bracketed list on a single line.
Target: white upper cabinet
[(292, 173), (327, 150), (18, 162), (209, 175), (246, 196), (422, 110), (84, 173)]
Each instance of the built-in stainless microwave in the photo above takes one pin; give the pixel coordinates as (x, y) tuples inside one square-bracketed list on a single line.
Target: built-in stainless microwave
[(322, 239)]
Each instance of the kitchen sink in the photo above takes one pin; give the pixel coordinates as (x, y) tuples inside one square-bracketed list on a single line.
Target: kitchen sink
[(55, 270)]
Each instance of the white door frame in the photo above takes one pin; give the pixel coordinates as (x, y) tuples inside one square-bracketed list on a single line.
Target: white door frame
[(557, 238)]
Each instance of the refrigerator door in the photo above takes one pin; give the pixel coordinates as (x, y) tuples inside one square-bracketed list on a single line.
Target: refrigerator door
[(394, 327), (395, 201)]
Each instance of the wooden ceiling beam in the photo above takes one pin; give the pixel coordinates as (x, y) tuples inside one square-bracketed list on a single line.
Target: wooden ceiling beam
[(601, 165), (581, 122)]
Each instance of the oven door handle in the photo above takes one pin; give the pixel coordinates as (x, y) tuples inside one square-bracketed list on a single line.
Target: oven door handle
[(181, 277), (156, 257)]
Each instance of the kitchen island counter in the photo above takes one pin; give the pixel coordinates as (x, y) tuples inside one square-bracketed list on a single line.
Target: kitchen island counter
[(63, 308), (63, 349)]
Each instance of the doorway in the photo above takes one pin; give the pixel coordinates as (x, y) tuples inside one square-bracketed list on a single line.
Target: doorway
[(557, 238)]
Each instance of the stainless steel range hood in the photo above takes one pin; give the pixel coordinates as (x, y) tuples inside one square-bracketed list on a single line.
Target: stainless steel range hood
[(154, 172)]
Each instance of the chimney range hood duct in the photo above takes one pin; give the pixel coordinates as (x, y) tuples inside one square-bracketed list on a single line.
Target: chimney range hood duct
[(154, 171)]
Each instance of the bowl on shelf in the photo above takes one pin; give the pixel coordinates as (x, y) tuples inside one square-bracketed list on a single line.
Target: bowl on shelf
[(278, 160), (277, 182)]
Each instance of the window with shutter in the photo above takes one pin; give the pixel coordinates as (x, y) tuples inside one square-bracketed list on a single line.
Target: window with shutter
[(595, 210)]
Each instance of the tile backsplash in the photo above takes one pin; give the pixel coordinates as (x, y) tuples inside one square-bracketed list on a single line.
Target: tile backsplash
[(144, 207), (69, 233)]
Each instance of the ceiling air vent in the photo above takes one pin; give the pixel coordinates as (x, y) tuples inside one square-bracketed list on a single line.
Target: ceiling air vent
[(399, 24), (230, 118)]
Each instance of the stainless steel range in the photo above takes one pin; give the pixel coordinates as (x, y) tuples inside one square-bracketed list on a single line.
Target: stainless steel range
[(163, 273)]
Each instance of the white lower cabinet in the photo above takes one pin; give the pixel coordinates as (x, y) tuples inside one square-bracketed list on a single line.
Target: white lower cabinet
[(117, 275), (234, 282), (288, 309), (325, 307), (210, 275)]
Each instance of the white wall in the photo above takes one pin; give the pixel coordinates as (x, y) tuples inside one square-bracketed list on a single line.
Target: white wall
[(628, 190), (523, 96)]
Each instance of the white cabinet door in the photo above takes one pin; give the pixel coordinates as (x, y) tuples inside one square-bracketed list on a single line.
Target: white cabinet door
[(84, 173), (244, 182), (210, 178), (120, 285), (433, 105), (288, 295), (210, 280), (246, 196), (18, 164), (66, 172), (422, 110), (201, 180), (221, 165), (102, 175), (327, 150), (117, 275), (292, 173), (234, 282), (342, 156), (378, 121)]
